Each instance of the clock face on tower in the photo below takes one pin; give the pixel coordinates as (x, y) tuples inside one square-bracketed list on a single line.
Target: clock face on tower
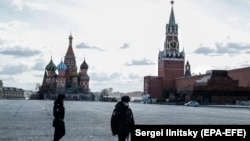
[(173, 44)]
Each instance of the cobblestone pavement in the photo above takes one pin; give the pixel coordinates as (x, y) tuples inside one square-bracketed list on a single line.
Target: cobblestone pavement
[(31, 120)]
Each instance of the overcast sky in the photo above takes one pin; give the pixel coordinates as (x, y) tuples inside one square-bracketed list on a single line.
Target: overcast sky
[(119, 39)]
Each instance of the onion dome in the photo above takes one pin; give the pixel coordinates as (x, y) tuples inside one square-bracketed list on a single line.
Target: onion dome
[(74, 74), (84, 65), (51, 66), (61, 67)]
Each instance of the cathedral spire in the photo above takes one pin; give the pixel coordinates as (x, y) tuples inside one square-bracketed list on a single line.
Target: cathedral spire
[(70, 39), (70, 51)]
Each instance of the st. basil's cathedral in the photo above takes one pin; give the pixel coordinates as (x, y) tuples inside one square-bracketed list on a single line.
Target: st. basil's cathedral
[(64, 78)]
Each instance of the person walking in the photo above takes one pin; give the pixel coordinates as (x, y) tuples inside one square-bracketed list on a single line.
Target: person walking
[(58, 122), (122, 119)]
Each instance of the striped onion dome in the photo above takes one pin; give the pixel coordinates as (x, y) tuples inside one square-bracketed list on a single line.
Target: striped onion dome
[(61, 66), (84, 65), (51, 66)]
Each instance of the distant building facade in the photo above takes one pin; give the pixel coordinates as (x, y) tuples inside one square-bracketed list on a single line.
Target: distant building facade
[(10, 92), (64, 78), (175, 83)]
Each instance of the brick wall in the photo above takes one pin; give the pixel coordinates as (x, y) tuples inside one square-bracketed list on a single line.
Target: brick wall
[(241, 74), (169, 70), (153, 86), (186, 83)]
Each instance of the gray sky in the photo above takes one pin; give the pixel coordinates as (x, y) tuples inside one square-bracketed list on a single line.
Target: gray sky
[(119, 40)]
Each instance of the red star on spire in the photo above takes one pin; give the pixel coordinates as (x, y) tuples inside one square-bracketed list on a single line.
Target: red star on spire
[(172, 2)]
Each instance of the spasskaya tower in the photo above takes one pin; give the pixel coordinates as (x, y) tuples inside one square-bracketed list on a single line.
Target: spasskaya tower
[(170, 63), (171, 60)]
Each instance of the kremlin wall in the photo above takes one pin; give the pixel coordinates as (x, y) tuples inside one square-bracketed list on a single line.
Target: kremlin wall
[(174, 82)]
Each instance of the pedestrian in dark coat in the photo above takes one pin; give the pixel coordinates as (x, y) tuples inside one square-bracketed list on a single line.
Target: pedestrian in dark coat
[(122, 119), (58, 122)]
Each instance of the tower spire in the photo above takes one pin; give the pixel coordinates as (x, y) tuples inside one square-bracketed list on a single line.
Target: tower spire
[(172, 18)]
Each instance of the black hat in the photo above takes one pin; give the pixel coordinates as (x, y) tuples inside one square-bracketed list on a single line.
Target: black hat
[(60, 96), (125, 99)]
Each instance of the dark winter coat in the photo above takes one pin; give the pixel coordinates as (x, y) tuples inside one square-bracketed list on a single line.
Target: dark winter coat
[(122, 120), (58, 112)]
